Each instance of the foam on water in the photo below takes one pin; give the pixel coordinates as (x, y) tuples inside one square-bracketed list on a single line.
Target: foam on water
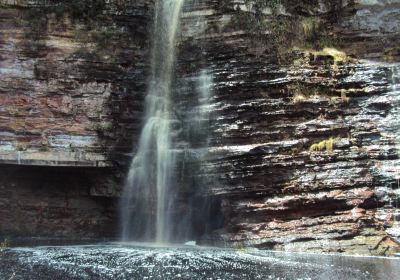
[(121, 261)]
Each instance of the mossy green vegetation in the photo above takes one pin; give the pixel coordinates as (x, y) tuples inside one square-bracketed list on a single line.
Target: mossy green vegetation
[(323, 145), (391, 54), (273, 30), (103, 37), (328, 56), (20, 147), (87, 12), (302, 93), (82, 10), (35, 19), (314, 33), (101, 127), (395, 51), (311, 27), (106, 126), (261, 20), (86, 9), (339, 58), (38, 21), (43, 149), (35, 23), (97, 34)]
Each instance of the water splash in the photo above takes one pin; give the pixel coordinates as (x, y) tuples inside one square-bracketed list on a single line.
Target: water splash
[(147, 197)]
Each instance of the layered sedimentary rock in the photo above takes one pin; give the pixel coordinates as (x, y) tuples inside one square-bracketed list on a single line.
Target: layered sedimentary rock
[(55, 202), (304, 131), (72, 77), (72, 80), (304, 145)]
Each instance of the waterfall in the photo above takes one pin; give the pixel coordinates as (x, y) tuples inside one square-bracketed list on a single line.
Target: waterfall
[(148, 194)]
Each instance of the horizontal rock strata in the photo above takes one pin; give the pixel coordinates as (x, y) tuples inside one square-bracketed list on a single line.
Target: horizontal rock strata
[(303, 138), (304, 149)]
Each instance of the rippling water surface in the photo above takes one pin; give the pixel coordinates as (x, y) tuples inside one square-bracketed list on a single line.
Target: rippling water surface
[(122, 261)]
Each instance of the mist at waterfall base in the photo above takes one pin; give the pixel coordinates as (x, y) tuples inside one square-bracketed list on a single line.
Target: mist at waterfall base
[(156, 189)]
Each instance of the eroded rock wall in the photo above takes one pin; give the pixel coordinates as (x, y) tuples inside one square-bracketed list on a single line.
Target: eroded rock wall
[(304, 148), (72, 80), (72, 83)]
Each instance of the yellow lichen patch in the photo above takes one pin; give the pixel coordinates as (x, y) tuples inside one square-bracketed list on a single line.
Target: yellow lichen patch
[(314, 148), (299, 98), (344, 97), (338, 56), (323, 145)]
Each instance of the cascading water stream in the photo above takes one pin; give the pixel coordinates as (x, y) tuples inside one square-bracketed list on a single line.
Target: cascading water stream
[(147, 197)]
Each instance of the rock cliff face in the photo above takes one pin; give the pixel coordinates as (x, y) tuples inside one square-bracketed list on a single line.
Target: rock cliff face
[(304, 130), (304, 143), (72, 81)]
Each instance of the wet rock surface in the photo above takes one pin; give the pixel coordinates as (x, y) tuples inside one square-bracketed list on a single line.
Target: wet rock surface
[(303, 141), (280, 183), (127, 262)]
